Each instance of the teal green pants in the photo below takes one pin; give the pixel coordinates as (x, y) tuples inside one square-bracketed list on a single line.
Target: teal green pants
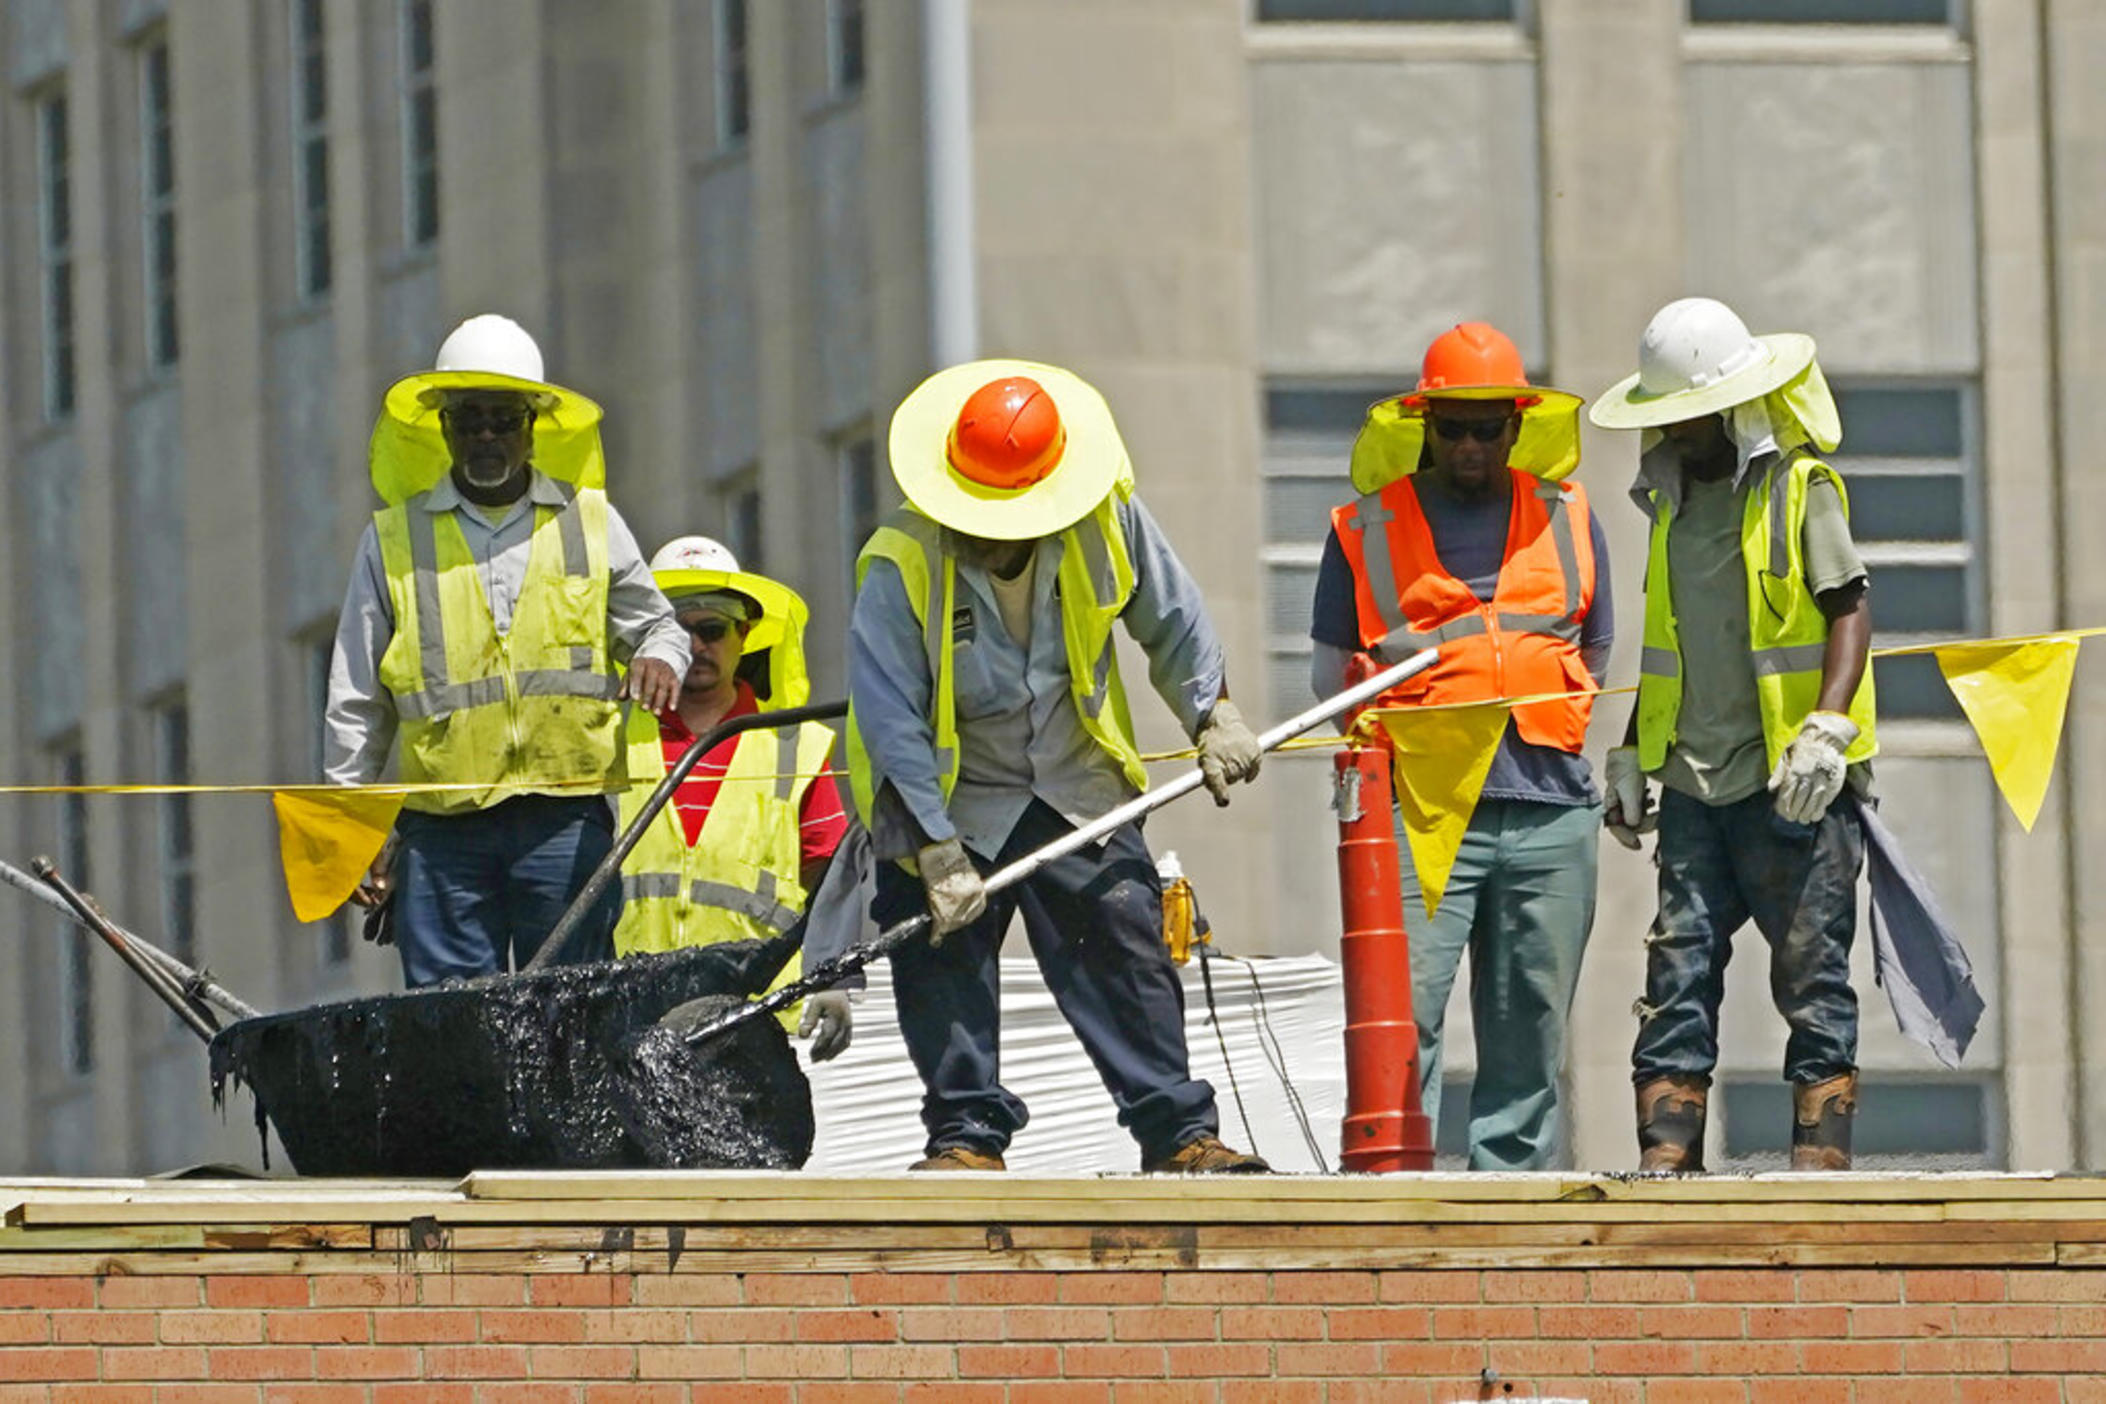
[(1521, 902)]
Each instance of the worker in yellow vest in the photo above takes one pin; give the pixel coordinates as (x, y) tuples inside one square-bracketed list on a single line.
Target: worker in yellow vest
[(1754, 713), (987, 719), (490, 602), (748, 834)]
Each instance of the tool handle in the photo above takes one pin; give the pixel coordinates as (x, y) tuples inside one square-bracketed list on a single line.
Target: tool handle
[(830, 972), (626, 842), (156, 978)]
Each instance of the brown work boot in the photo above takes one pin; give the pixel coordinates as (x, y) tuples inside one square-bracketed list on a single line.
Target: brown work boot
[(1821, 1117), (1671, 1124), (959, 1158), (1205, 1154)]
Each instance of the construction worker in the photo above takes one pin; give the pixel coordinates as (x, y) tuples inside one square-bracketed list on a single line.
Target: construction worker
[(489, 603), (987, 719), (1464, 538), (1754, 713), (748, 834)]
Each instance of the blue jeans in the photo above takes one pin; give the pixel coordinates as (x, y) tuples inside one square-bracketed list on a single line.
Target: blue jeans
[(1720, 866), (1521, 900), (476, 893)]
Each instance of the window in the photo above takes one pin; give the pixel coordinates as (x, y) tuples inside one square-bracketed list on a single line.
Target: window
[(317, 651), (844, 45), (157, 202), (1823, 11), (420, 126), (76, 982), (310, 149), (742, 520), (171, 723), (1385, 11), (55, 253), (859, 501), (1908, 463), (734, 84)]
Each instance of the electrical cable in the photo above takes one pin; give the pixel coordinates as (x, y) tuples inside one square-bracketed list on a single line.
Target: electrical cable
[(1206, 979), (1269, 1045)]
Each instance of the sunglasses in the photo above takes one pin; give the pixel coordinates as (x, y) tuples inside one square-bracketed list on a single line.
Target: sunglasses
[(709, 631), (1485, 431), (476, 421)]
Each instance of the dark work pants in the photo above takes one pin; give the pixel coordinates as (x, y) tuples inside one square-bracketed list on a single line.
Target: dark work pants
[(1720, 866), (1095, 921), (476, 893)]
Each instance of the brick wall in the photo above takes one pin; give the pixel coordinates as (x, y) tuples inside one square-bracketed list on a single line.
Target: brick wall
[(1795, 1335)]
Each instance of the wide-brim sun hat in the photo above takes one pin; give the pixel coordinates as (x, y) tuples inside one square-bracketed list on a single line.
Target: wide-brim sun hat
[(1471, 361), (1697, 358), (781, 611), (1063, 452)]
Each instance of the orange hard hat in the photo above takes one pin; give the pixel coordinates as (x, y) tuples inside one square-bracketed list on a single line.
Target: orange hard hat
[(1008, 435), (1473, 356)]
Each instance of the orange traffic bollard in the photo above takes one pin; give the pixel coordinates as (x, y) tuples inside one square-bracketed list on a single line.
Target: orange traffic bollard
[(1386, 1130)]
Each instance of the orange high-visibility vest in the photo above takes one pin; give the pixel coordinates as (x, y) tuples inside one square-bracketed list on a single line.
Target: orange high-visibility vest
[(1523, 641)]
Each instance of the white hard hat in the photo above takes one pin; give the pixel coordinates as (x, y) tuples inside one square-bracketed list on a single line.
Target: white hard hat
[(1697, 357), (694, 553), (492, 344)]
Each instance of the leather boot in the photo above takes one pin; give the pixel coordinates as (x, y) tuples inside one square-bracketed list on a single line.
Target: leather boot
[(1821, 1117), (1671, 1123)]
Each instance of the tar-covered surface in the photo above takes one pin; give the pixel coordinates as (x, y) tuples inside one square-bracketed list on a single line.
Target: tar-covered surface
[(558, 1069)]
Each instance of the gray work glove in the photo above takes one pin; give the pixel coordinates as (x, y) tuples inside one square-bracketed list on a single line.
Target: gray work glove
[(956, 894), (1626, 809), (1809, 775), (1228, 753), (828, 1022)]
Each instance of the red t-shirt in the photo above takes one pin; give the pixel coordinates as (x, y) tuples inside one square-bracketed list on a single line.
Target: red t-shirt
[(820, 821)]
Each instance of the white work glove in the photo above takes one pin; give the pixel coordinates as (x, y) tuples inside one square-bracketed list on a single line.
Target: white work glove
[(1626, 808), (1228, 753), (826, 1015), (1809, 775), (956, 894)]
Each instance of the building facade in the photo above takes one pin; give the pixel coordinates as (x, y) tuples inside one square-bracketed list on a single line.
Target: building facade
[(749, 229)]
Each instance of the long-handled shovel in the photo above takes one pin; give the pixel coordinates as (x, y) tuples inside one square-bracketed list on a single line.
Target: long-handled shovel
[(829, 972), (701, 746)]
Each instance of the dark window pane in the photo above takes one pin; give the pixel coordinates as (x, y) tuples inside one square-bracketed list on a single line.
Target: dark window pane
[(424, 124), (1898, 422), (420, 36), (1391, 11), (319, 273), (1911, 686), (425, 226), (1820, 11), (314, 87), (314, 175), (1909, 507), (1289, 589), (1297, 410), (1919, 599), (848, 44), (1298, 510)]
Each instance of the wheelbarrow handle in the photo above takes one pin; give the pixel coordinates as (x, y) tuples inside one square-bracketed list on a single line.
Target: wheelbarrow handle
[(157, 979), (626, 841), (830, 972)]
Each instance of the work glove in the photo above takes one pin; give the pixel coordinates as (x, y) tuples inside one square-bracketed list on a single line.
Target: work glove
[(1809, 775), (828, 1022), (377, 895), (1228, 753), (956, 894), (1626, 808)]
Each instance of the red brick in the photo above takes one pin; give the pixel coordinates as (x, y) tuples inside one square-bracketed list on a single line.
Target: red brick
[(585, 1289), (1849, 1285), (1169, 1323), (1506, 1287), (581, 1362), (1522, 1358), (1804, 1390), (117, 1293), (212, 1327), (54, 1363), (693, 1362), (1924, 1390), (1594, 1391), (1380, 1323), (2080, 1321), (434, 1326), (1053, 1392), (1218, 1361), (34, 1328), (1901, 1321), (900, 1362), (1450, 1322), (843, 1392), (1644, 1357), (743, 1326), (507, 1327), (1429, 1286), (640, 1327), (660, 1393), (689, 1289), (208, 1394), (1271, 1391), (858, 1324), (1587, 1322), (1245, 1323), (1953, 1285), (1032, 1323), (519, 1392), (1153, 1392), (105, 1327), (2014, 1321), (1111, 1288), (77, 1394), (899, 1288), (353, 1362), (54, 1293), (314, 1394), (797, 1362), (1385, 1392), (1008, 1361), (317, 1327), (1798, 1322), (1747, 1357), (1454, 1360), (1695, 1392), (152, 1363), (1128, 1362), (949, 1324), (2055, 1285), (953, 1392), (1638, 1285), (273, 1362), (363, 1289), (1325, 1288), (1217, 1287), (256, 1291), (476, 1362), (424, 1393), (472, 1289), (797, 1289), (1744, 1285), (1961, 1357), (2009, 1391), (1353, 1359), (2061, 1357), (1699, 1323), (1005, 1288), (1850, 1357)]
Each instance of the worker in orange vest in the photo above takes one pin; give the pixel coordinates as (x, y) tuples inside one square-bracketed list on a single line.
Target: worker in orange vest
[(1466, 538)]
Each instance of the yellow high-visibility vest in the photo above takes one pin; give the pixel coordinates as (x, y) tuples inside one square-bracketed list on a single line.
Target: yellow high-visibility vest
[(1787, 633), (532, 710), (1096, 581)]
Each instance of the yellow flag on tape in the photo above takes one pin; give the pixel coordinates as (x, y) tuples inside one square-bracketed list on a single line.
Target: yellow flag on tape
[(327, 842), (1442, 758), (2015, 694)]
